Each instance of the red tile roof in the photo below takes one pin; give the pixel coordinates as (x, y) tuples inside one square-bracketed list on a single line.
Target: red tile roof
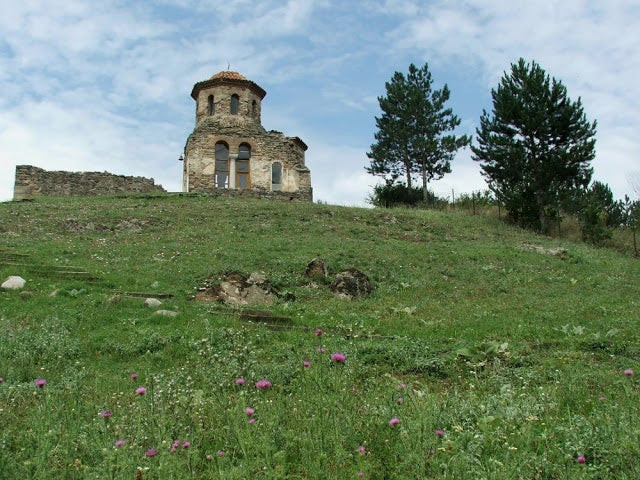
[(228, 75)]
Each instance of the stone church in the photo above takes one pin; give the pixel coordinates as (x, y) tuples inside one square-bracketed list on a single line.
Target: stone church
[(229, 151)]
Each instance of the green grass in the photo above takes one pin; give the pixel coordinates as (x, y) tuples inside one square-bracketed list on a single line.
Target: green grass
[(506, 351)]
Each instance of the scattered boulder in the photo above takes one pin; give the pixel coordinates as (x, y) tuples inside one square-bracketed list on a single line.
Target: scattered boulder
[(166, 313), (152, 302), (13, 283), (554, 252), (238, 289), (351, 284), (317, 268)]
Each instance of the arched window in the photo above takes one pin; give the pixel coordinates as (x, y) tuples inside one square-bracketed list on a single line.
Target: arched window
[(222, 165), (276, 176), (242, 166), (254, 108), (211, 105), (235, 104)]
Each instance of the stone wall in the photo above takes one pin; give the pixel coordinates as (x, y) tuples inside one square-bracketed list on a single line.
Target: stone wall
[(299, 196), (35, 182)]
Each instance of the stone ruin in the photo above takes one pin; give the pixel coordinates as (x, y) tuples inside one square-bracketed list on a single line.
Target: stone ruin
[(34, 182)]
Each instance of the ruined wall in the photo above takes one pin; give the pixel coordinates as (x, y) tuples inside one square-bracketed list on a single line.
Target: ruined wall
[(35, 182)]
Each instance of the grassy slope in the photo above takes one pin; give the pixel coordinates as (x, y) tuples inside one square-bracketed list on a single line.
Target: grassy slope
[(506, 350)]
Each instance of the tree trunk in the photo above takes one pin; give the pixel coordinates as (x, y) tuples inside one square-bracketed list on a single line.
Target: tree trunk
[(425, 196), (407, 167), (542, 214)]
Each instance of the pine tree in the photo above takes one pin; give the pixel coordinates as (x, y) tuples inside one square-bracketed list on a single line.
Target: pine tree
[(411, 137), (535, 145)]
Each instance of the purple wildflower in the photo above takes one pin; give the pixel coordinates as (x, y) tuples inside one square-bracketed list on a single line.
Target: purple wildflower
[(239, 381), (141, 390), (40, 382), (151, 452), (106, 413), (628, 372), (118, 444), (263, 384), (319, 332), (338, 357), (394, 421), (581, 459)]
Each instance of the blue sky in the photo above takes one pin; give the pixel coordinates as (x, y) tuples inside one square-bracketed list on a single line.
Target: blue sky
[(105, 86)]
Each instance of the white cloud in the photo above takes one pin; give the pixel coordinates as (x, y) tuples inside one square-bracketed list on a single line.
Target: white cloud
[(591, 47), (105, 86)]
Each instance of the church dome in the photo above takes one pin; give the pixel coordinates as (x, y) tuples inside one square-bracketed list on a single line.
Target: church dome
[(228, 75)]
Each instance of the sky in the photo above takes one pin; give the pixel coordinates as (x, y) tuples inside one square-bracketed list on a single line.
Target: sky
[(105, 86)]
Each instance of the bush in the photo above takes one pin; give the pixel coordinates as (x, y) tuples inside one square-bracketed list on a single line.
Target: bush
[(391, 194)]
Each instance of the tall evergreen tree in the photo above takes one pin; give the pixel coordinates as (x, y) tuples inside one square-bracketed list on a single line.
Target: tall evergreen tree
[(535, 145), (412, 131)]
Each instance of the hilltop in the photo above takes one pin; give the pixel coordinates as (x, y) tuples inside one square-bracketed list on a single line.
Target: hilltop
[(516, 357)]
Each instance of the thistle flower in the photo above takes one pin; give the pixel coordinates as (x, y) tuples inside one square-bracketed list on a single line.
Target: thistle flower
[(133, 376), (119, 443), (319, 332), (239, 381), (151, 452), (306, 364), (106, 413), (338, 357), (141, 390), (581, 459), (628, 372), (263, 384), (394, 421), (249, 411), (40, 382), (439, 432)]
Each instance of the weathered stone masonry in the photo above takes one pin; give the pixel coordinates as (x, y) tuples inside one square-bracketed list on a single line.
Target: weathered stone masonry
[(35, 182), (230, 151)]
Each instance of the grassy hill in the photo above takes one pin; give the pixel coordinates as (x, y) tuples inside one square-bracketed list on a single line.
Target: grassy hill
[(497, 362)]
